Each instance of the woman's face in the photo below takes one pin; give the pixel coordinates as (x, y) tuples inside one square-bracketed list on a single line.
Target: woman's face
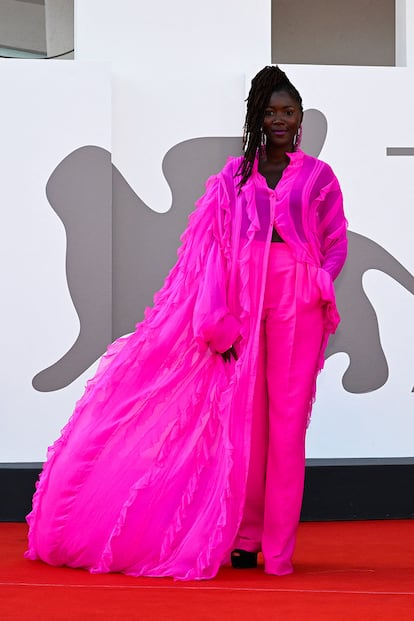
[(282, 119)]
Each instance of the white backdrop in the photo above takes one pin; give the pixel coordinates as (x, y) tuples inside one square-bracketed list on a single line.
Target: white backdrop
[(47, 110), (178, 71)]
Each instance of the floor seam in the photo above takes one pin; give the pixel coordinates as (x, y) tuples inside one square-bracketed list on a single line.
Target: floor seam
[(202, 589)]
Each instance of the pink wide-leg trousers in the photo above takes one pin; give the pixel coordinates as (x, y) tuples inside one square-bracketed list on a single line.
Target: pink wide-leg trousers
[(289, 347)]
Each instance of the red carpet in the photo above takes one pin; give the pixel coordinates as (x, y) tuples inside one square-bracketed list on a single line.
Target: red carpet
[(353, 571)]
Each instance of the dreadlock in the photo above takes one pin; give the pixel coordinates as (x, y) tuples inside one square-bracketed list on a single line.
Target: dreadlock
[(266, 82)]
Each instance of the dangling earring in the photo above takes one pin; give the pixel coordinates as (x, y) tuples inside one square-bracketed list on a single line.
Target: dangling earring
[(245, 137), (263, 141), (297, 139)]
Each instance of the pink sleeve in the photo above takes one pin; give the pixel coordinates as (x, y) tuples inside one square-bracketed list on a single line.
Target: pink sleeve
[(331, 228), (213, 323)]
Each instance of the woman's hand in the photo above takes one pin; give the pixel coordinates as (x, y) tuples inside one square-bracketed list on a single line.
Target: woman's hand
[(229, 353)]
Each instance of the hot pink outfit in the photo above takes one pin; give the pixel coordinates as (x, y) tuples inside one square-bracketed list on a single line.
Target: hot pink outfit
[(151, 474)]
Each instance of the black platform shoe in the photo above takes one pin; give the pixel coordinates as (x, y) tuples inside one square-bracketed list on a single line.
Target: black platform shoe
[(240, 559)]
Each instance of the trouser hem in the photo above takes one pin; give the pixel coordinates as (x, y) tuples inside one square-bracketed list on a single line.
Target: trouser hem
[(278, 569)]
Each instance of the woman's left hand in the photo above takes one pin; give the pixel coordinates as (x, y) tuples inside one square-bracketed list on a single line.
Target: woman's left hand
[(229, 354)]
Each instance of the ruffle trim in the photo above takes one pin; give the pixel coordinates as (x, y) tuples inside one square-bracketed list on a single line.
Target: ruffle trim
[(178, 285), (178, 280), (283, 187), (207, 562), (218, 548)]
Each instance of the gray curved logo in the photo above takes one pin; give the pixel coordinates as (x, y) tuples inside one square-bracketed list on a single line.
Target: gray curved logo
[(358, 333), (119, 251)]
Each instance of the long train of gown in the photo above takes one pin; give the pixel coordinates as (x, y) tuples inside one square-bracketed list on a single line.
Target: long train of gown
[(148, 476)]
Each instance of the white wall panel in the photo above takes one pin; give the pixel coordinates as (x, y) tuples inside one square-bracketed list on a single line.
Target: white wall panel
[(178, 72), (51, 109)]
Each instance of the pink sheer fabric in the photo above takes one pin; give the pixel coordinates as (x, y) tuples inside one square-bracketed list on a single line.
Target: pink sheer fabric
[(149, 474)]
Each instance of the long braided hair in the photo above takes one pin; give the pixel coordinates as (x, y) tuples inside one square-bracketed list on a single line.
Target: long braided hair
[(267, 81)]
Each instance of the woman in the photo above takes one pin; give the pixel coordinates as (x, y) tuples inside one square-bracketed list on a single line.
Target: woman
[(177, 457)]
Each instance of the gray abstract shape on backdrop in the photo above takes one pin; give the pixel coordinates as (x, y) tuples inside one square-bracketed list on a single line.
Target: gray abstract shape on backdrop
[(79, 190), (358, 332), (146, 242), (315, 128), (144, 245), (399, 151)]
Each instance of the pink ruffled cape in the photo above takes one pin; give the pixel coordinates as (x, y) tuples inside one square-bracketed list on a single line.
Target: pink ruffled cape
[(148, 476)]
